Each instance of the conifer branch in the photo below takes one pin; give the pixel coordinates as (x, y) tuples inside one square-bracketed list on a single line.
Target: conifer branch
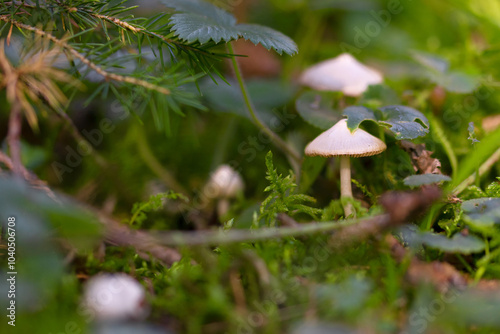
[(90, 64)]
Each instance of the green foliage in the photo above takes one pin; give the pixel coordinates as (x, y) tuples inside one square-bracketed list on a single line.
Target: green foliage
[(281, 198), (203, 22), (493, 189), (404, 122), (154, 203)]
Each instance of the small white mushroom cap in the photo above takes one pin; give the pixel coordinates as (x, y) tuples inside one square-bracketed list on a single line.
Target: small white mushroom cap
[(224, 182), (343, 73), (338, 140), (112, 297)]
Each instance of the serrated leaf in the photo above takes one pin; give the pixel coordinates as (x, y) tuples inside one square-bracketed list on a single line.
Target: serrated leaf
[(268, 38), (202, 22), (457, 244), (316, 109), (193, 27), (405, 122), (423, 179)]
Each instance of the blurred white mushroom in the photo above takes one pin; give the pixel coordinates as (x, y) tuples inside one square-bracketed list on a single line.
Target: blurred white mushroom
[(343, 73), (224, 183), (112, 297)]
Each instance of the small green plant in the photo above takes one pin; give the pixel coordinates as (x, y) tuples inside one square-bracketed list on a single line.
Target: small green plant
[(281, 198), (154, 203)]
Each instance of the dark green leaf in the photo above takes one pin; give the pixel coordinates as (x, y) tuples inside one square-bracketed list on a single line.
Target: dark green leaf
[(194, 27), (268, 38), (457, 244), (202, 22), (405, 122), (423, 179), (485, 211), (356, 115)]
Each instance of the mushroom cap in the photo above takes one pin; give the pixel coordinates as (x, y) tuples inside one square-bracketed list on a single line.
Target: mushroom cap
[(338, 140), (224, 182), (115, 297), (343, 73)]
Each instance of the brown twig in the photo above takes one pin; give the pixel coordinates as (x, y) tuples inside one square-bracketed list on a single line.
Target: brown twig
[(121, 235), (14, 137)]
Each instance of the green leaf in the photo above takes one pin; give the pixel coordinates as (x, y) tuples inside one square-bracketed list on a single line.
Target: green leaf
[(423, 179), (404, 122), (268, 38), (356, 115), (194, 27), (484, 211), (316, 109), (457, 244), (201, 21)]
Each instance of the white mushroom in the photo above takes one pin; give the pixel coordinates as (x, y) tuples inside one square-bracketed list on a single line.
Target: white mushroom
[(112, 297), (224, 183), (343, 73), (339, 141)]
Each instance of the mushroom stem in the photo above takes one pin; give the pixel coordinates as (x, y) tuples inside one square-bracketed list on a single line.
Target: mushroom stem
[(345, 182)]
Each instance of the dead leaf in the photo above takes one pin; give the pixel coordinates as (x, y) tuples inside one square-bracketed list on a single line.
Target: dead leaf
[(421, 158)]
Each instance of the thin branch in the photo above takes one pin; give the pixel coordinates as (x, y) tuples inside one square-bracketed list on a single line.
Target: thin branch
[(121, 235), (85, 61), (237, 236), (141, 30), (28, 176), (14, 137)]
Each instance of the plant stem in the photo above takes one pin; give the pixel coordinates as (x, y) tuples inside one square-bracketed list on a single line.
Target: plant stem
[(280, 143), (150, 160), (345, 182)]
